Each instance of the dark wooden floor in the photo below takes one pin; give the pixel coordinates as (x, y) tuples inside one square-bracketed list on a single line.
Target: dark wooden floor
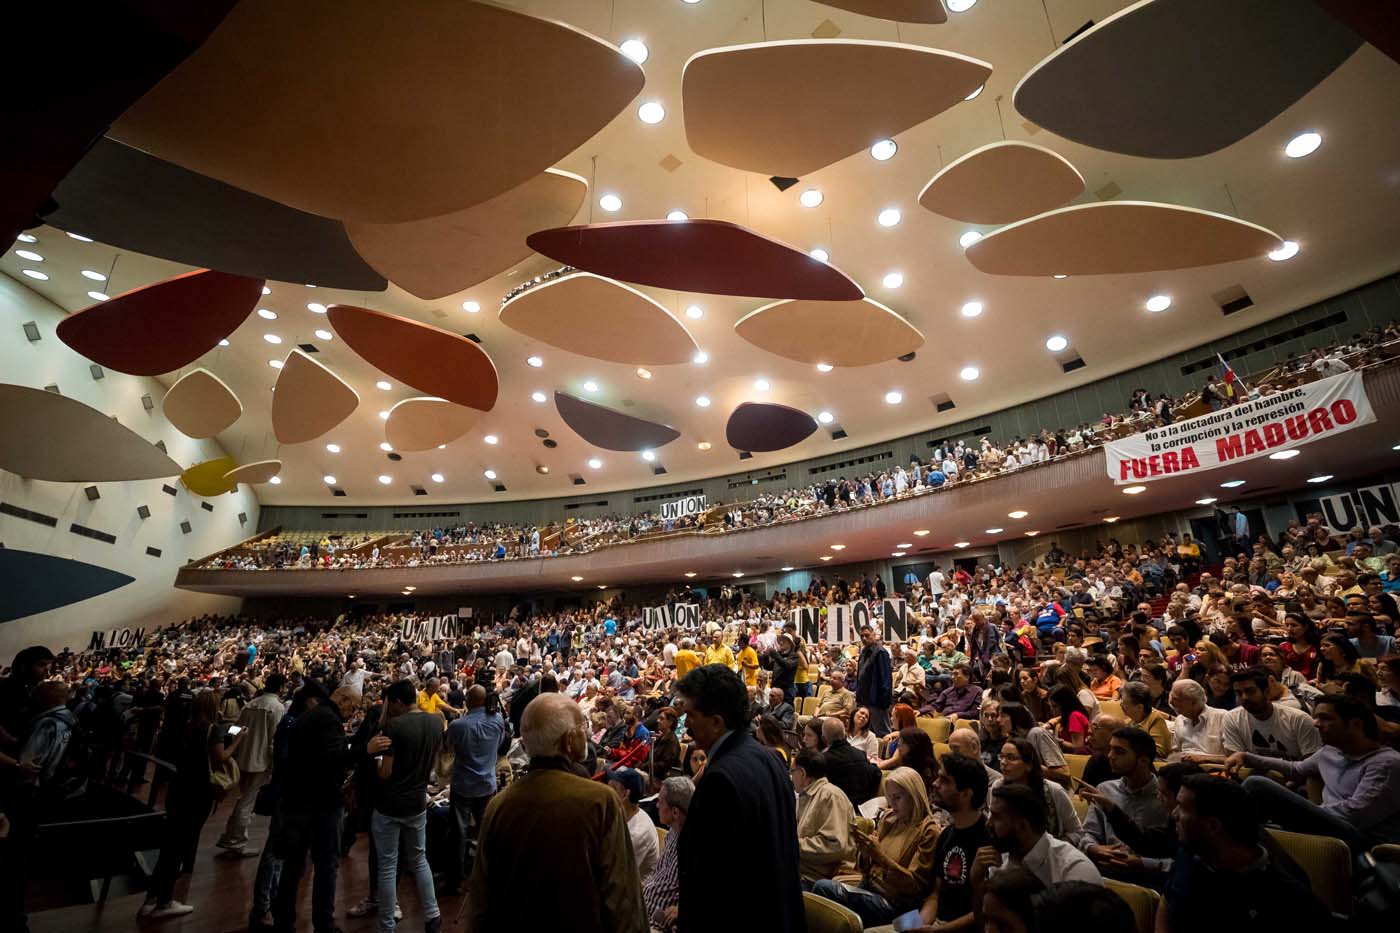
[(220, 890)]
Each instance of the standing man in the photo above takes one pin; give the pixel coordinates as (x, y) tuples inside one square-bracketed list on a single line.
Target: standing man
[(405, 750), (874, 683), (743, 820), (258, 723), (475, 740)]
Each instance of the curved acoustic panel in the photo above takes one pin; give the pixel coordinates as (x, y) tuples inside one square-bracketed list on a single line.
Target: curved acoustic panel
[(611, 430), (132, 200), (426, 423), (1175, 79), (713, 257), (252, 474), (382, 112), (309, 400), (44, 435), (442, 255), (200, 405), (1119, 237), (36, 583), (158, 328), (210, 478), (599, 318), (792, 107), (841, 333), (431, 360), (1002, 182), (761, 427), (929, 12)]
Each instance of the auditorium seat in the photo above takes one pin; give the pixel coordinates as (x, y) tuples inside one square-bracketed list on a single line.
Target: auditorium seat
[(1327, 863), (809, 706), (1142, 901), (937, 727), (1076, 764), (1081, 806), (822, 691), (824, 916), (1111, 708), (940, 749)]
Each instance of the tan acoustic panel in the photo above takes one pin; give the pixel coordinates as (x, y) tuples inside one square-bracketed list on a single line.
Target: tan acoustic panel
[(928, 12), (200, 405), (210, 478), (439, 256), (309, 400), (382, 112), (1119, 237), (790, 108), (1002, 182), (425, 423), (841, 333), (601, 319), (47, 436), (253, 474)]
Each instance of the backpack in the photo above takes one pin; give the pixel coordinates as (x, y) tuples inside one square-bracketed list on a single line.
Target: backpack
[(75, 765)]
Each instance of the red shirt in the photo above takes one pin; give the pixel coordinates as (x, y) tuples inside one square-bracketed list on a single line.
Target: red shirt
[(1305, 663)]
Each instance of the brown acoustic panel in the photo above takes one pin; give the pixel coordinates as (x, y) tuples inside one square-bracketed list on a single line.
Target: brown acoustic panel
[(200, 405), (441, 255), (210, 478), (1119, 237), (713, 257), (599, 318), (431, 360), (761, 427), (1176, 79), (611, 430), (426, 423), (841, 333), (928, 12), (309, 400), (1002, 182), (255, 473), (47, 436), (1377, 23), (382, 112), (158, 328), (792, 107)]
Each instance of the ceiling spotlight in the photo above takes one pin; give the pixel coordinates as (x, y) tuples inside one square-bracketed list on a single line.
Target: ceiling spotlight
[(695, 312), (594, 463), (471, 307), (648, 456), (1032, 534), (1302, 145), (1134, 490), (762, 385), (1111, 519), (309, 285), (35, 274), (383, 386), (960, 6), (1285, 455), (825, 417), (610, 203), (1018, 514), (785, 569), (703, 401), (902, 546), (968, 238), (272, 338), (539, 397), (386, 447), (275, 364), (1208, 500), (703, 445), (1056, 343), (820, 255), (635, 49), (1232, 484), (690, 573), (266, 290), (410, 589), (590, 386), (1060, 275), (811, 198), (384, 415), (276, 481), (333, 448), (534, 361), (541, 469), (893, 279), (1320, 479), (100, 296), (969, 373), (224, 342), (576, 578), (894, 397), (324, 335), (267, 314), (700, 358), (489, 474), (491, 439), (328, 479), (316, 307), (978, 91), (29, 254), (889, 217), (995, 531), (838, 547), (824, 367), (30, 238), (1158, 303), (1288, 250), (651, 113), (961, 543), (921, 533), (95, 276), (677, 215), (972, 309)]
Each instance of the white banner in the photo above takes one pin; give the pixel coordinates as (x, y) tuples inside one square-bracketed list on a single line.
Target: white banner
[(675, 615), (1242, 432), (1367, 507), (101, 640), (422, 631), (680, 508)]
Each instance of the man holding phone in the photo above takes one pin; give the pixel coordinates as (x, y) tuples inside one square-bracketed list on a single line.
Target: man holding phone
[(257, 722)]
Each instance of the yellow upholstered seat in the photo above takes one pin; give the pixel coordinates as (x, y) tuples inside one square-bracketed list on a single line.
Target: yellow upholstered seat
[(1081, 806), (1142, 901), (940, 749), (1111, 708), (937, 727), (1327, 863), (809, 706), (824, 916), (1076, 764)]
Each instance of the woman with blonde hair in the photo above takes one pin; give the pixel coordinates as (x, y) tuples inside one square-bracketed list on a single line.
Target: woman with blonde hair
[(897, 860)]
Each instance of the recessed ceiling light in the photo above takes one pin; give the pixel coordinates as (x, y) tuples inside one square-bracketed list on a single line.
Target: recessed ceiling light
[(677, 215), (652, 113), (703, 445), (534, 361), (961, 543), (275, 364), (385, 480), (883, 150), (541, 469), (1134, 490), (972, 309), (703, 401), (29, 254), (700, 358), (811, 198), (594, 463), (489, 474), (635, 49), (824, 367), (328, 479), (272, 338), (491, 439), (1288, 250), (1396, 447), (894, 397), (1158, 303), (838, 547), (35, 274), (276, 481), (333, 448), (267, 314), (442, 446), (995, 531), (889, 217), (1302, 145), (539, 397), (610, 203), (316, 307), (1032, 534), (1018, 514), (224, 342), (820, 255), (576, 578), (1061, 275), (383, 386), (324, 335), (968, 238), (1320, 479), (410, 589), (95, 276), (1111, 519), (1208, 500), (471, 307), (695, 312), (590, 386), (960, 6), (969, 373), (29, 238), (266, 290), (762, 385), (975, 93), (893, 279), (903, 546), (386, 447), (785, 569), (1232, 484), (690, 573), (384, 415), (825, 417), (1056, 343), (648, 456), (921, 533), (97, 296), (1285, 455)]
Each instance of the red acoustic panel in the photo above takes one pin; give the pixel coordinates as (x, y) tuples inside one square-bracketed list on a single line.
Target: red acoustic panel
[(761, 427), (433, 361), (159, 328), (709, 256)]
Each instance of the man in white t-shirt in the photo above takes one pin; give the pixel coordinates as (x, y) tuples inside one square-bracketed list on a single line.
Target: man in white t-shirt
[(1261, 727), (935, 582)]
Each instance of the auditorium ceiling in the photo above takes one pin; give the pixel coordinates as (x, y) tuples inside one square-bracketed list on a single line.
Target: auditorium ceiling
[(405, 183)]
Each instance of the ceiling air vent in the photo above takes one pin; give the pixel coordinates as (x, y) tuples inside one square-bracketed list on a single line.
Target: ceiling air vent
[(658, 470), (307, 348), (419, 490), (499, 487), (338, 493), (1070, 366), (908, 357), (577, 480), (942, 402), (745, 455), (838, 434), (473, 338), (782, 183), (549, 443), (1233, 299)]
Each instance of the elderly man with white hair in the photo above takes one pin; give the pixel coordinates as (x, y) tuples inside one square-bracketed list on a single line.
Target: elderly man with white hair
[(554, 852), (1198, 727)]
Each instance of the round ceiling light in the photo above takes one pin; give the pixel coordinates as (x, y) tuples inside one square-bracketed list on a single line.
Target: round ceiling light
[(1304, 144), (276, 481), (1232, 484), (961, 543), (594, 463), (811, 198), (471, 307), (590, 386), (883, 150), (1285, 455), (995, 531), (29, 254), (695, 312), (703, 445), (266, 290), (328, 479), (386, 446), (610, 203), (648, 456), (95, 276), (651, 113), (677, 215), (101, 296), (534, 361), (491, 439), (643, 373), (1158, 303), (702, 401), (968, 238), (1320, 479), (576, 578), (1287, 251), (1208, 500), (976, 93), (889, 217), (316, 307), (437, 477), (333, 448), (383, 386), (275, 364), (824, 367), (838, 547), (893, 279), (1056, 343), (1018, 514), (894, 397), (35, 274), (972, 309), (267, 314), (825, 417), (324, 335), (1134, 490), (960, 6), (762, 385), (272, 338), (969, 373), (700, 358), (30, 238), (820, 255), (489, 474), (635, 49)]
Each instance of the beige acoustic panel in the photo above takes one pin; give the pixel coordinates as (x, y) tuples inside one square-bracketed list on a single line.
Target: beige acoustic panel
[(381, 112), (928, 12), (596, 317), (309, 400), (441, 255), (1119, 237), (200, 405), (255, 473), (210, 478), (425, 423), (841, 333), (47, 436), (790, 108), (1002, 182)]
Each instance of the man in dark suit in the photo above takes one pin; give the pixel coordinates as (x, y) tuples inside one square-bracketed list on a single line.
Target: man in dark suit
[(847, 766), (781, 710), (874, 680), (742, 822)]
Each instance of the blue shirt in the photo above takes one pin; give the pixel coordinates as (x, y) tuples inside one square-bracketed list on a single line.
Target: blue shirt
[(610, 627), (475, 738)]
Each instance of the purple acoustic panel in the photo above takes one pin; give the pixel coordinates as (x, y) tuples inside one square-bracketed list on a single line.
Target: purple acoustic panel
[(611, 430), (760, 427)]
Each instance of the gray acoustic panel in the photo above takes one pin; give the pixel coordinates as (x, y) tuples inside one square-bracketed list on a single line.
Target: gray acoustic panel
[(611, 430), (40, 582), (765, 427)]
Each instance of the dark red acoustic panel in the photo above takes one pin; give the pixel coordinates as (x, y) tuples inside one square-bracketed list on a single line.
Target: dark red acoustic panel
[(611, 430), (761, 427), (159, 328), (713, 257)]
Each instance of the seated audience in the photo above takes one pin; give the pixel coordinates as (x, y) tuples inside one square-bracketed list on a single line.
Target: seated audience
[(1139, 707), (1261, 727), (1132, 802), (824, 817), (1198, 727), (1017, 825), (1020, 764), (630, 787), (846, 766), (662, 890)]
